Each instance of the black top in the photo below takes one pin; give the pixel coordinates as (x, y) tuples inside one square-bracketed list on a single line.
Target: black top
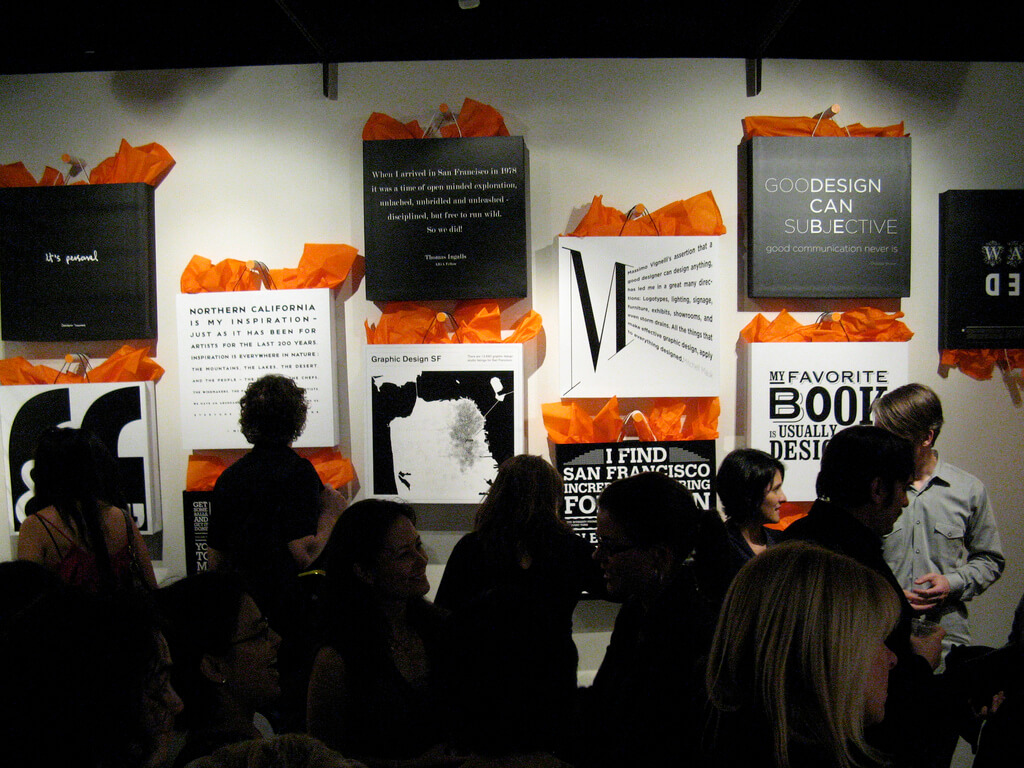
[(269, 497), (643, 708), (515, 680), (739, 551)]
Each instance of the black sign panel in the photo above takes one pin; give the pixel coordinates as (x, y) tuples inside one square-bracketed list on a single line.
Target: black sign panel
[(445, 218), (586, 468), (981, 246), (828, 217), (196, 506), (77, 263)]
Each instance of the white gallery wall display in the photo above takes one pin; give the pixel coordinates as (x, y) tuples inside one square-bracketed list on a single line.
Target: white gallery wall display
[(442, 418), (800, 394), (227, 340), (639, 316), (122, 415)]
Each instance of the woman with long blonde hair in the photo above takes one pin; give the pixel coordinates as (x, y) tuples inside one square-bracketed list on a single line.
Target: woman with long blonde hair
[(798, 666)]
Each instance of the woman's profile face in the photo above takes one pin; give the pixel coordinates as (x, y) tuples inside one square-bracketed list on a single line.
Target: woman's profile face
[(876, 687), (401, 568), (773, 499), (250, 667)]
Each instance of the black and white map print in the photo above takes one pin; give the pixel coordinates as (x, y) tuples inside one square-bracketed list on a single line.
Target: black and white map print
[(442, 419)]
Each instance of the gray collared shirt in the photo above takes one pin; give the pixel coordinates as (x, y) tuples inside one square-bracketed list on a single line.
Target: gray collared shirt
[(949, 528)]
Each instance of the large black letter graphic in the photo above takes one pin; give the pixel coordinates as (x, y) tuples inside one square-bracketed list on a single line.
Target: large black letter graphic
[(589, 318)]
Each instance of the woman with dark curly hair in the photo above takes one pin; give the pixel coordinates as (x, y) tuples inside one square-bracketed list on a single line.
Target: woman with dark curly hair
[(266, 523), (512, 585)]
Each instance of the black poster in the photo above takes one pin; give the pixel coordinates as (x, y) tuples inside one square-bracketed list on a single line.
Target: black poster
[(77, 263), (586, 468), (196, 506), (445, 218), (828, 217), (981, 245)]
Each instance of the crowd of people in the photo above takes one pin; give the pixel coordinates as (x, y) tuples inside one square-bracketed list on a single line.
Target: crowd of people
[(735, 644)]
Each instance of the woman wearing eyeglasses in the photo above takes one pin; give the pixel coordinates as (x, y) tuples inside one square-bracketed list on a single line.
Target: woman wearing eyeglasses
[(225, 662), (645, 692)]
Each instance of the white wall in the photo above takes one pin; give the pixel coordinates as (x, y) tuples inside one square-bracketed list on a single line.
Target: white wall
[(265, 164)]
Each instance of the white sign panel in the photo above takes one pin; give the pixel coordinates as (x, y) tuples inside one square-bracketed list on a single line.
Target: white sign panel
[(639, 316), (122, 415), (227, 340), (800, 394), (442, 418)]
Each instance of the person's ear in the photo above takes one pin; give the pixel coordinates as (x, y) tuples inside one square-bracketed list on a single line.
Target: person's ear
[(929, 440), (213, 668), (363, 574), (879, 492), (663, 558)]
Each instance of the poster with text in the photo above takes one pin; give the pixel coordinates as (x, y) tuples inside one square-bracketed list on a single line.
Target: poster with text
[(445, 218), (981, 257), (78, 262), (828, 217), (228, 340), (638, 316), (122, 415), (587, 468), (801, 394), (441, 418)]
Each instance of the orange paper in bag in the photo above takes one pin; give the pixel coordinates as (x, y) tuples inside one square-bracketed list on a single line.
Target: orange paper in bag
[(763, 125), (698, 215), (474, 120), (670, 419), (320, 266), (980, 364), (126, 364), (476, 322), (861, 324), (332, 467)]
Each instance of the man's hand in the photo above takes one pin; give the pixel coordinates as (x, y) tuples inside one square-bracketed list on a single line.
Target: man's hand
[(925, 598), (929, 647)]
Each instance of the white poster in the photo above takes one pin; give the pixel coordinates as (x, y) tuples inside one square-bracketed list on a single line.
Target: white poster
[(122, 415), (639, 316), (800, 394), (442, 417), (227, 340)]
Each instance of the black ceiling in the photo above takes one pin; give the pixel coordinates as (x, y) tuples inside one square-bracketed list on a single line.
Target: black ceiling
[(107, 35)]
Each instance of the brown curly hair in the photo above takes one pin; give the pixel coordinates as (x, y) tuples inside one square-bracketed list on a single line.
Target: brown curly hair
[(273, 410)]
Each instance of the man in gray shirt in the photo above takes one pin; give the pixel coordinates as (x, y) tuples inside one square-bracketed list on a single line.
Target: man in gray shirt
[(944, 549)]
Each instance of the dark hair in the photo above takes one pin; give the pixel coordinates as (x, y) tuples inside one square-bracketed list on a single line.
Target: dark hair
[(273, 410), (73, 473), (909, 411), (81, 669), (522, 509), (354, 620), (202, 617), (744, 478), (855, 457), (653, 509)]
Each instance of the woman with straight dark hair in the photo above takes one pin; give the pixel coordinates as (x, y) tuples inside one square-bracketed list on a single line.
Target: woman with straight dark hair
[(375, 691), (799, 665), (225, 661), (512, 585), (642, 705), (78, 531), (749, 485)]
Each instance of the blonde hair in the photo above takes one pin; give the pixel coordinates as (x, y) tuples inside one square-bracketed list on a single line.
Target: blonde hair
[(795, 641)]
